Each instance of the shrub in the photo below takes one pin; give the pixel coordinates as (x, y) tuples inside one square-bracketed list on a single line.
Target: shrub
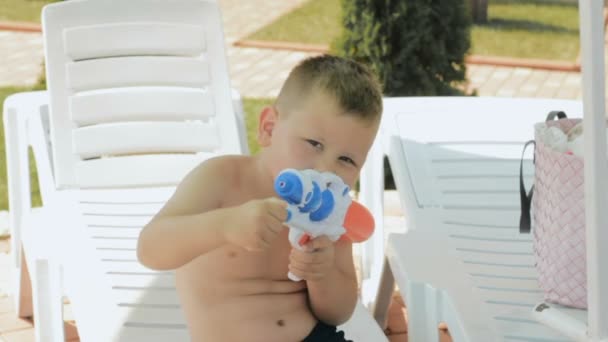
[(417, 47)]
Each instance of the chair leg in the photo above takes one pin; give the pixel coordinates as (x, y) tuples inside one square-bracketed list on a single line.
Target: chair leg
[(422, 315), (48, 302), (385, 293), (23, 289)]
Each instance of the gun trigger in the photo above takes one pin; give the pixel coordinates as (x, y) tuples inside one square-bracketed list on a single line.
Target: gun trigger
[(304, 240)]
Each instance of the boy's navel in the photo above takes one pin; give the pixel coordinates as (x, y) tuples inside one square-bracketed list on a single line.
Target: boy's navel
[(231, 254), (281, 323)]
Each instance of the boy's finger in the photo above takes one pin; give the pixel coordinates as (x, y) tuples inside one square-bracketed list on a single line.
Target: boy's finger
[(305, 274), (319, 242), (268, 234), (297, 270), (304, 257), (278, 209), (276, 226), (296, 264), (309, 258), (277, 202)]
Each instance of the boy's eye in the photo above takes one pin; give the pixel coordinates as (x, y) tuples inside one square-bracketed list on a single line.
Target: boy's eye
[(348, 160), (314, 143)]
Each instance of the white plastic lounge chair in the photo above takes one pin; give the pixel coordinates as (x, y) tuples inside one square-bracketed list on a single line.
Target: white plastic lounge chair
[(456, 162), (448, 266), (26, 125), (138, 95)]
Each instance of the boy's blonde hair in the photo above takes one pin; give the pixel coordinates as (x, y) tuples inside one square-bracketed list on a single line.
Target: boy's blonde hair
[(354, 87)]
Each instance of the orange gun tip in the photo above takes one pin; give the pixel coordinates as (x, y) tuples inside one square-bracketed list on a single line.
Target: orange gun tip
[(359, 223)]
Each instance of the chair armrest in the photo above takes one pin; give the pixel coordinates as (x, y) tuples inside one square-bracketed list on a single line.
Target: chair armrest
[(24, 120), (372, 196)]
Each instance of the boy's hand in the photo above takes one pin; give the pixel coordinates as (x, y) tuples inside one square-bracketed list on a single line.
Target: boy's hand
[(315, 261), (257, 223)]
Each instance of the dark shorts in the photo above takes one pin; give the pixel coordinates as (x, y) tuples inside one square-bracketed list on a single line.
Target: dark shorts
[(325, 333)]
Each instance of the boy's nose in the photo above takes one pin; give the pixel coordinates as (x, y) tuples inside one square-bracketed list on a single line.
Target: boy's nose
[(323, 165)]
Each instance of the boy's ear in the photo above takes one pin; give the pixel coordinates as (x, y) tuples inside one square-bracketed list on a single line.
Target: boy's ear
[(268, 119)]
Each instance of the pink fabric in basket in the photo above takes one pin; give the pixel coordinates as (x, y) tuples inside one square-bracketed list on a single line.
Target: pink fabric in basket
[(559, 223)]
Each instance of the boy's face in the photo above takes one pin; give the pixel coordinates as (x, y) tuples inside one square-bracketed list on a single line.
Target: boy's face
[(318, 135)]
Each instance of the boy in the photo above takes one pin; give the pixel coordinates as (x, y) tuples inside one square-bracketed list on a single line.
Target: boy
[(224, 232)]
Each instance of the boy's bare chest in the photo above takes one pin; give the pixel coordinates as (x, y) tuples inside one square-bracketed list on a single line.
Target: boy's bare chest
[(233, 262), (270, 264)]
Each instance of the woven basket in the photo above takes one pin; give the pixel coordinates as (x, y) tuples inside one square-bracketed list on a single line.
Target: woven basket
[(558, 210)]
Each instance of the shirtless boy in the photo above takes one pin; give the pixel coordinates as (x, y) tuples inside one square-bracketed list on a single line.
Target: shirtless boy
[(224, 232)]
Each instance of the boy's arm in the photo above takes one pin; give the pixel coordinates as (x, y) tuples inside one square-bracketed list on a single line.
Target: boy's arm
[(194, 221), (333, 297), (190, 224)]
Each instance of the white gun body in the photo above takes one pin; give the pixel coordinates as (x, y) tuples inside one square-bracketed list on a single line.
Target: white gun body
[(319, 209)]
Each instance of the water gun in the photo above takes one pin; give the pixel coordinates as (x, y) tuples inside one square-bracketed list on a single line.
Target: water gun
[(319, 204)]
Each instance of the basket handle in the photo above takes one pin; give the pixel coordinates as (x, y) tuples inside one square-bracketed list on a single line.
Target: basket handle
[(556, 113), (525, 220)]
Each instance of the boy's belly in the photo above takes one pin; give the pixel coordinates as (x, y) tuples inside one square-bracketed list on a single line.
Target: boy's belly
[(232, 295), (281, 318)]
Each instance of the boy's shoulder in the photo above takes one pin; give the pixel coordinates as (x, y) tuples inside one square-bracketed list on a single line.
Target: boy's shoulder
[(215, 175), (222, 169), (224, 162)]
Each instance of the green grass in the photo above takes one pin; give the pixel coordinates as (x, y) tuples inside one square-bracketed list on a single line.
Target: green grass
[(315, 22), (36, 201), (22, 10), (545, 29), (528, 29)]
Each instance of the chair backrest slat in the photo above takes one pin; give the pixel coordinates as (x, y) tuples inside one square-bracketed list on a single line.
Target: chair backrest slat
[(157, 195), (137, 71), (141, 104), (134, 38), (142, 170), (144, 137), (113, 65)]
